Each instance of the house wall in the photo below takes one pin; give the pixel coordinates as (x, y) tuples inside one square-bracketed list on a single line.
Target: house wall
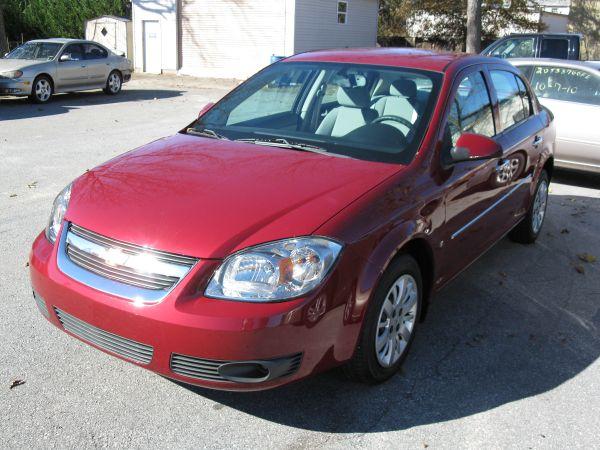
[(233, 38), (165, 12), (317, 26)]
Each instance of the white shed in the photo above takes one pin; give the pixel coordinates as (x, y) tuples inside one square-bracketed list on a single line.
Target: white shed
[(235, 38), (115, 33)]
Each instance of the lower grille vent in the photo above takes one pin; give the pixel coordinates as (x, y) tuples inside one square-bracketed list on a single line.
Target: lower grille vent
[(126, 348), (255, 371)]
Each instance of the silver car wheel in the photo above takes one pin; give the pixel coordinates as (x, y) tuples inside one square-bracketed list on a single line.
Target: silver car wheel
[(114, 83), (396, 320), (43, 90), (539, 206)]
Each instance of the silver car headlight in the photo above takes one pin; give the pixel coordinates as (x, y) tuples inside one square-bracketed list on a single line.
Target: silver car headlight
[(12, 74), (275, 271), (59, 208)]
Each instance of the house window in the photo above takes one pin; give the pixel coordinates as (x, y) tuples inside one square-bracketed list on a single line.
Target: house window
[(342, 11)]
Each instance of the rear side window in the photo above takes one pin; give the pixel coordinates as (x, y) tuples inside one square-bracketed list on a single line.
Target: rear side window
[(567, 84), (471, 109), (555, 48), (515, 48), (94, 52), (510, 101)]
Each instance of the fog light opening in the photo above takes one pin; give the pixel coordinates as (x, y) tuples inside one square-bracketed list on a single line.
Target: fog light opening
[(244, 372)]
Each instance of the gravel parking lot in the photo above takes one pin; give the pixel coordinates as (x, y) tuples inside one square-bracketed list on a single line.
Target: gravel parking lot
[(508, 356)]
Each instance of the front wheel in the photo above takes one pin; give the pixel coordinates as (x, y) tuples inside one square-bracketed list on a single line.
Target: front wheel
[(389, 324), (528, 230), (113, 83), (41, 90)]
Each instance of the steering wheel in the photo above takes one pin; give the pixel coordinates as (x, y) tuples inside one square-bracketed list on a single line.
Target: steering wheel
[(407, 123)]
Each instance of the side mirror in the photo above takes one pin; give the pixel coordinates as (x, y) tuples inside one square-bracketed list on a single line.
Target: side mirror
[(473, 147), (205, 109), (65, 57)]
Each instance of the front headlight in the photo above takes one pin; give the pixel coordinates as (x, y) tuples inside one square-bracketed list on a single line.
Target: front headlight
[(59, 208), (12, 74), (275, 271)]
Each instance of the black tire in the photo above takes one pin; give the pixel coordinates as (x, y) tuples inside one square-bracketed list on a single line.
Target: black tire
[(364, 366), (114, 83), (41, 90), (525, 232)]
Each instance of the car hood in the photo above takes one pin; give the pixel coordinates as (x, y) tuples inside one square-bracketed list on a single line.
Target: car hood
[(16, 64), (208, 198)]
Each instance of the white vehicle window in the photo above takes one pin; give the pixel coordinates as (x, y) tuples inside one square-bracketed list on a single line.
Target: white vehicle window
[(566, 83)]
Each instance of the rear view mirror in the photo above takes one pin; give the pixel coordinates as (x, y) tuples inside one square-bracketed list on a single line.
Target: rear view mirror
[(205, 109), (65, 57), (473, 147)]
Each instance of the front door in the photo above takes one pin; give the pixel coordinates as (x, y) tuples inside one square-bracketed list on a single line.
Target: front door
[(71, 72), (471, 191), (152, 46)]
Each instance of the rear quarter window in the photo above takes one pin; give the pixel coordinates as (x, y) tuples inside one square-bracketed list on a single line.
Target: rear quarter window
[(567, 84)]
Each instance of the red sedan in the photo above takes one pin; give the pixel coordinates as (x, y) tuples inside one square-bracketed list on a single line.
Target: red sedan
[(303, 222)]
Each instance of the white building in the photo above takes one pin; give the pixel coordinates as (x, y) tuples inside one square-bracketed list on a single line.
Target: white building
[(235, 38)]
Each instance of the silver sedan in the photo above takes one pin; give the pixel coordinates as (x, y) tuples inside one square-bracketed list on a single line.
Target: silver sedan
[(42, 68), (571, 90)]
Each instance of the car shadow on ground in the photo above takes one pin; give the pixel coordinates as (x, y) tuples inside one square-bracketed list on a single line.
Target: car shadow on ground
[(13, 108), (520, 322)]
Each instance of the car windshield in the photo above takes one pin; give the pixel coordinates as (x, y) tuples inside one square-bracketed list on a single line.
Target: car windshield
[(35, 51), (360, 111)]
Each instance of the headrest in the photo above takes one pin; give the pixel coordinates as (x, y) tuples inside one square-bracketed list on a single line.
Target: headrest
[(355, 97), (403, 88)]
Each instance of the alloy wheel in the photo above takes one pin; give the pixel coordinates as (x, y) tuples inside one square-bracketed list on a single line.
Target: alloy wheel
[(396, 320), (43, 90), (114, 83)]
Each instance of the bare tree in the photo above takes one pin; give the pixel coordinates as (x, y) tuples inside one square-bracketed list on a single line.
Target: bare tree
[(473, 26), (3, 39)]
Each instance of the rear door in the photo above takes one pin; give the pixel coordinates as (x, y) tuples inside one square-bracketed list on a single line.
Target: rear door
[(98, 65), (521, 133), (72, 72)]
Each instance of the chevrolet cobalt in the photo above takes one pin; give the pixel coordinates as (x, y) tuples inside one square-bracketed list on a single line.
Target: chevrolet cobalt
[(303, 222)]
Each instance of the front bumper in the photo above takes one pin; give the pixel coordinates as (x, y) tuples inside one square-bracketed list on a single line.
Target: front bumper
[(15, 87), (213, 343)]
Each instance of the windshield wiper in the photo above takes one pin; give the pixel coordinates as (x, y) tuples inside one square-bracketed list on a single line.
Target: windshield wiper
[(284, 143), (206, 133)]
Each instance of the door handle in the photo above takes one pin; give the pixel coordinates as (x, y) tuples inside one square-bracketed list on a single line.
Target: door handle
[(537, 141)]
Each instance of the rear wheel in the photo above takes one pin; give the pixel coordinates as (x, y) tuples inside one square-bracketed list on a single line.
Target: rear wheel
[(41, 90), (389, 325), (528, 230), (113, 83)]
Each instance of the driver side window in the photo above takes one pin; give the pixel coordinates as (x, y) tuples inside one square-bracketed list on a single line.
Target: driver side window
[(471, 109)]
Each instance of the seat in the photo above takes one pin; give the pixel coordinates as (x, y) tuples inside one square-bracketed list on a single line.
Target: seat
[(400, 102), (354, 112)]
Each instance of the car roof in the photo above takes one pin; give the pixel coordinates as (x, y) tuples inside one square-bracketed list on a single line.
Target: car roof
[(556, 62), (393, 57), (542, 34)]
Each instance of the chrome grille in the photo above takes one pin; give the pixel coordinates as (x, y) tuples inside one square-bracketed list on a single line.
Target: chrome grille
[(208, 369), (126, 348), (125, 263)]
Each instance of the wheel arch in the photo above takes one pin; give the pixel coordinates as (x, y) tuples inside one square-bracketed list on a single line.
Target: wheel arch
[(45, 74), (549, 167)]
